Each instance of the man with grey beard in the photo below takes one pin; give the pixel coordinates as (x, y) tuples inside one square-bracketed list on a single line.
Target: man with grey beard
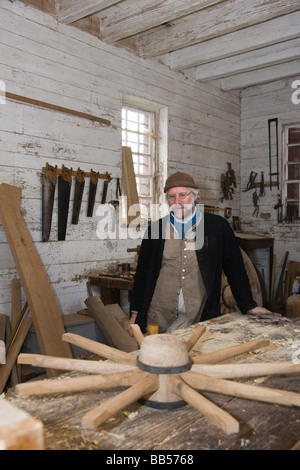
[(182, 256)]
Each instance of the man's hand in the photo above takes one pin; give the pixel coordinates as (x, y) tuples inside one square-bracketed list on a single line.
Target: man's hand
[(131, 321), (258, 310)]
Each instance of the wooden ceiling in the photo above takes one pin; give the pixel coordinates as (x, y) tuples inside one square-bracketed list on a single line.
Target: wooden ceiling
[(234, 43)]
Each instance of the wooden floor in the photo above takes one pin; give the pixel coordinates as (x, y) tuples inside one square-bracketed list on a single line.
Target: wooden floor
[(262, 426)]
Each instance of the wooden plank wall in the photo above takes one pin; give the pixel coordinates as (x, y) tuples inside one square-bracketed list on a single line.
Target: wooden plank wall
[(59, 64), (258, 104)]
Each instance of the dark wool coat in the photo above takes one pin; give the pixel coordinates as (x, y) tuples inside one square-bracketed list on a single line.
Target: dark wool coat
[(220, 251)]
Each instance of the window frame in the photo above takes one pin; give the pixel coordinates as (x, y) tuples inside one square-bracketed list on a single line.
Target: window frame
[(286, 181)]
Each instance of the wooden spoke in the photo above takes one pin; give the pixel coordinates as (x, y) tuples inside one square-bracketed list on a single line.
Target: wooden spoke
[(233, 371), (195, 337), (232, 351), (252, 392), (218, 416), (80, 384), (137, 333), (79, 365), (109, 408), (99, 348)]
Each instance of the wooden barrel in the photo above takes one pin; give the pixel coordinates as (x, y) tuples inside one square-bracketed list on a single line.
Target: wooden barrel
[(293, 306), (228, 303)]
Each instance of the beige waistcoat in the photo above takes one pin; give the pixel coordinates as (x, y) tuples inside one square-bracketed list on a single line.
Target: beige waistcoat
[(179, 288)]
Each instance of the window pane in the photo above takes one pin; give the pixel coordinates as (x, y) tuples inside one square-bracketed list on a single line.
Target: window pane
[(293, 191), (292, 211), (145, 187), (293, 172), (294, 135), (145, 166), (137, 127), (132, 126), (132, 137), (294, 154), (132, 116)]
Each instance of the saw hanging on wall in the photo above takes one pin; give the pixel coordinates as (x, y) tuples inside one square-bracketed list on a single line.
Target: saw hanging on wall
[(64, 189), (62, 178), (79, 187), (92, 192), (49, 178)]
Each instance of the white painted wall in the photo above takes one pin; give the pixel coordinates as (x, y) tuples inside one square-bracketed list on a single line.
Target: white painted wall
[(258, 104), (59, 64)]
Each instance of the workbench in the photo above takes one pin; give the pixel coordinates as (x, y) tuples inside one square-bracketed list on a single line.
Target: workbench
[(110, 285), (262, 425)]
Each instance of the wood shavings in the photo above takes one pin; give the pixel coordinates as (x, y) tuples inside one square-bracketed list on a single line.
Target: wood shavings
[(130, 414), (111, 434)]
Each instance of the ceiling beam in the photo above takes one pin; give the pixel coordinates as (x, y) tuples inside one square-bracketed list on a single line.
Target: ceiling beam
[(223, 18), (69, 11), (132, 17), (254, 37), (266, 56), (263, 75)]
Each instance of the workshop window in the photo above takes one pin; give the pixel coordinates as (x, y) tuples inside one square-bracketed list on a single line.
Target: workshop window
[(138, 133), (292, 174)]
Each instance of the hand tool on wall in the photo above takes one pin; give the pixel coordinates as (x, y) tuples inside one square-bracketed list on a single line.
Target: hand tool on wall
[(270, 127), (278, 207), (49, 178), (104, 194), (262, 185), (64, 189), (79, 187), (230, 174), (251, 182), (92, 192), (118, 188), (255, 200)]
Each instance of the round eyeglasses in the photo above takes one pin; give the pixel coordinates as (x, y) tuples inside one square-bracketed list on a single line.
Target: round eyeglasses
[(181, 196)]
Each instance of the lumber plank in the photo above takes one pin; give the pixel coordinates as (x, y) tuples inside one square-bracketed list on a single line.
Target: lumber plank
[(13, 351), (3, 319), (111, 320), (19, 430), (40, 297), (129, 188), (15, 301), (16, 312)]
